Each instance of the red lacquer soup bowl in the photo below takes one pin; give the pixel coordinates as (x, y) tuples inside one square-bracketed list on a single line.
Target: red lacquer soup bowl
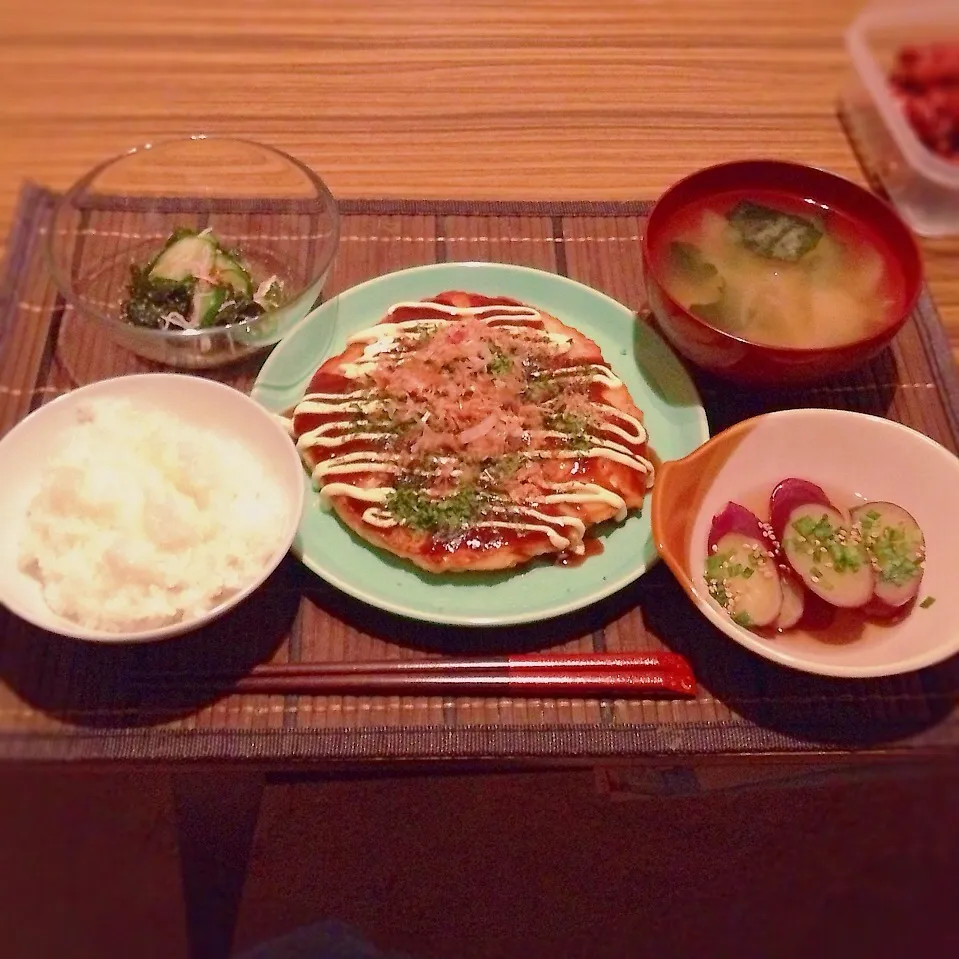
[(864, 219)]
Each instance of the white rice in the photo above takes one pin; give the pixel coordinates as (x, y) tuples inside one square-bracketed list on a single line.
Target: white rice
[(143, 520)]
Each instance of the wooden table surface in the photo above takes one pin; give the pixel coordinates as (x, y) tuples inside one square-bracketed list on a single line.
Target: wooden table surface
[(438, 98)]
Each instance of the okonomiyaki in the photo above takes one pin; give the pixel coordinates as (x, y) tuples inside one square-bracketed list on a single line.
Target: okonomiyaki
[(468, 432)]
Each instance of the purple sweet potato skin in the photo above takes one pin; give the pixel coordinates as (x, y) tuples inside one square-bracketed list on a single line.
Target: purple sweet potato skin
[(734, 518), (789, 495)]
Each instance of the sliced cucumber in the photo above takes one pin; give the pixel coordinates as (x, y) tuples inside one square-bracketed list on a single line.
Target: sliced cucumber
[(227, 270), (207, 301), (185, 258)]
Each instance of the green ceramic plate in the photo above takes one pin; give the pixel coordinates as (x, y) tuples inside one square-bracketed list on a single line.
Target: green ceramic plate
[(655, 378)]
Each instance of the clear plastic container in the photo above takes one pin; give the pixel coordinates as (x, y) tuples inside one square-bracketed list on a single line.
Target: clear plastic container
[(923, 186)]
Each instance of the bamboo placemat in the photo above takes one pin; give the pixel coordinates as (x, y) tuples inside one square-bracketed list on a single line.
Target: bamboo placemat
[(61, 699)]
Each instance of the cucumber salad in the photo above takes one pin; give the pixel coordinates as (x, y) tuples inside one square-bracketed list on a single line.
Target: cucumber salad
[(195, 283)]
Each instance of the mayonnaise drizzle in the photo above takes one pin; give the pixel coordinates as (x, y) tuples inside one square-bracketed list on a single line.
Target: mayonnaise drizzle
[(509, 310), (547, 524), (384, 338)]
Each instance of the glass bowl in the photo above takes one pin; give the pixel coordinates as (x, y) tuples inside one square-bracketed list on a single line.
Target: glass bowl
[(274, 215)]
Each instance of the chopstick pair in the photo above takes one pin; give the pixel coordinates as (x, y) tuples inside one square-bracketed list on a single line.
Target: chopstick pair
[(587, 675)]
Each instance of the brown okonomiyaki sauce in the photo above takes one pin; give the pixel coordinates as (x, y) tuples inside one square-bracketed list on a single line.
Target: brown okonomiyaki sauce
[(477, 538), (592, 546)]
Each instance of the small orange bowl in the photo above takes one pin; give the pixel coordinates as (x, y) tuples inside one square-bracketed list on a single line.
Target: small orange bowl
[(747, 361)]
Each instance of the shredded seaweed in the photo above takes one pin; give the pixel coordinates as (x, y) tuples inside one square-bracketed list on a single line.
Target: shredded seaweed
[(500, 364), (572, 425), (413, 507), (152, 298)]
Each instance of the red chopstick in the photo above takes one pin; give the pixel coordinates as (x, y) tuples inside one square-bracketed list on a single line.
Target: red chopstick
[(628, 674), (621, 683), (511, 664)]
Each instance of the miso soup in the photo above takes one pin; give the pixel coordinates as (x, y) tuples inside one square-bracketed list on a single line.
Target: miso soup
[(778, 270)]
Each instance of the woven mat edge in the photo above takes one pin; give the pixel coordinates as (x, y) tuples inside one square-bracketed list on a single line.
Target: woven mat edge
[(399, 206), (434, 743)]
